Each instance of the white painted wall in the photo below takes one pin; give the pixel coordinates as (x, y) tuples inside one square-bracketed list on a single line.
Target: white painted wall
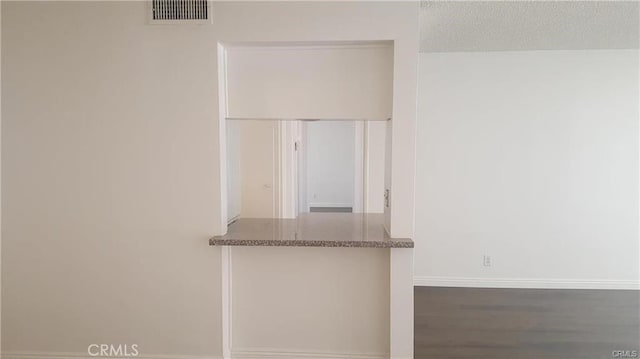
[(234, 170), (531, 158), (375, 139), (330, 162), (289, 158), (110, 171), (335, 82)]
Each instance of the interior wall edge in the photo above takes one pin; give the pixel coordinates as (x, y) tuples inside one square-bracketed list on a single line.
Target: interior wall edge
[(526, 283)]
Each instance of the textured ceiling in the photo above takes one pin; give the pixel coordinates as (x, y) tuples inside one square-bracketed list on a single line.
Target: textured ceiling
[(528, 25)]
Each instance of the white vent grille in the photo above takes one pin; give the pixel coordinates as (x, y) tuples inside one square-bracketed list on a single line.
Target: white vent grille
[(180, 10)]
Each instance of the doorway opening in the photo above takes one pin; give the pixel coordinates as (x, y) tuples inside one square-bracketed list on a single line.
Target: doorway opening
[(305, 128), (329, 158)]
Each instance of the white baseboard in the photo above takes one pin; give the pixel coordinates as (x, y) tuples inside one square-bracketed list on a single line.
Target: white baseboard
[(65, 355), (267, 353), (428, 281), (261, 353), (329, 204)]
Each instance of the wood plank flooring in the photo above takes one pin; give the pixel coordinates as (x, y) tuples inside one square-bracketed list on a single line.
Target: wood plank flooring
[(463, 323)]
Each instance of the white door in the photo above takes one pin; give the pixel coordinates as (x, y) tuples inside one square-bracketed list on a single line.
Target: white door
[(260, 169)]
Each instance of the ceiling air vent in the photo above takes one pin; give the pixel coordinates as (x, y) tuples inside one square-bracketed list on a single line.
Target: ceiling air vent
[(177, 11)]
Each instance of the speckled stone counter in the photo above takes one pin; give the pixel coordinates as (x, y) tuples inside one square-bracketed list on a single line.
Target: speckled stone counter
[(312, 230)]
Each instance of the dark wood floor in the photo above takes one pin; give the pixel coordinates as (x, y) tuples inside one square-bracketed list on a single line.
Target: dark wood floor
[(525, 323)]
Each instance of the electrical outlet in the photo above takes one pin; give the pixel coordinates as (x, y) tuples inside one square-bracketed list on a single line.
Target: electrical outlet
[(486, 261)]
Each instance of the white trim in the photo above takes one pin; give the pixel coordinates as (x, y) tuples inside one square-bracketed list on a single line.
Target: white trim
[(66, 355), (307, 45), (288, 165), (222, 135), (268, 353), (401, 303), (276, 178), (303, 205), (341, 119), (227, 307), (638, 202), (359, 204), (366, 165), (468, 282)]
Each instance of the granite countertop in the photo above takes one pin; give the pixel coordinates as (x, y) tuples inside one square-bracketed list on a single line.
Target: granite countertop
[(312, 230)]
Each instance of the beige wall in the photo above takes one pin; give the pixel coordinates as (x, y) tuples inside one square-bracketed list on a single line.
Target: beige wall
[(109, 180), (276, 302), (110, 176), (312, 81)]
